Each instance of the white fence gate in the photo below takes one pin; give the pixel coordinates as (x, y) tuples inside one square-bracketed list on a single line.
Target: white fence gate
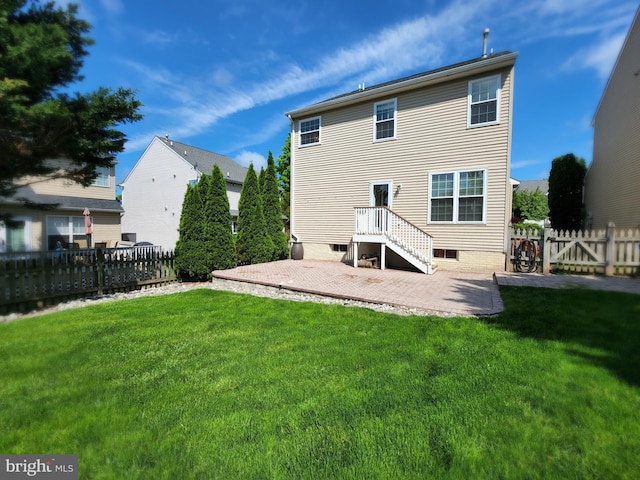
[(609, 252)]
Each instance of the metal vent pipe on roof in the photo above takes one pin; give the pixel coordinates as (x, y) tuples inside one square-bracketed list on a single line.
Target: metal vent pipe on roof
[(485, 40)]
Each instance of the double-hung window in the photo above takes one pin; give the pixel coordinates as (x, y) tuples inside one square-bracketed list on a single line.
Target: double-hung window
[(384, 119), (64, 229), (484, 101), (458, 197), (310, 131), (102, 180)]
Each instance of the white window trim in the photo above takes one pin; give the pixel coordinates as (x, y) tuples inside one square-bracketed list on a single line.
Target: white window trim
[(498, 80), (300, 133), (395, 120), (456, 197)]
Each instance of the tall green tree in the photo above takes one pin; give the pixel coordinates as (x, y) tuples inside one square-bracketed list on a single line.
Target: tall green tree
[(253, 243), (283, 172), (566, 179), (261, 179), (530, 205), (42, 47), (218, 227), (273, 211), (192, 259)]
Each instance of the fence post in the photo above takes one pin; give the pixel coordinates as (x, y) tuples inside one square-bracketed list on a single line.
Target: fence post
[(546, 250), (100, 270), (610, 268)]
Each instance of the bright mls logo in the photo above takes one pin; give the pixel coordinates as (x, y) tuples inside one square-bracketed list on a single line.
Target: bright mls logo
[(51, 467)]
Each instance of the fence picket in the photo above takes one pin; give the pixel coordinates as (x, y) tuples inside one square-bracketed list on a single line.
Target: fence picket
[(608, 252), (32, 279)]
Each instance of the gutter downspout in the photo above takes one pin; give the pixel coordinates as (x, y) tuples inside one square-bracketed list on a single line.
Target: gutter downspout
[(291, 181)]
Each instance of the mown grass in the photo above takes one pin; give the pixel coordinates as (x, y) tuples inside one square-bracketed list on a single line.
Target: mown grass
[(211, 384)]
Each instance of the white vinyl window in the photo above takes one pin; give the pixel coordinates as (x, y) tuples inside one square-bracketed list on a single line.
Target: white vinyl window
[(102, 180), (310, 131), (384, 120), (16, 237), (458, 197), (484, 101), (65, 229)]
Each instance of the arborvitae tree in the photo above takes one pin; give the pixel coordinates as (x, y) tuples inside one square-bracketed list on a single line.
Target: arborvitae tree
[(261, 179), (283, 170), (191, 261), (253, 243), (219, 235), (566, 179), (273, 211)]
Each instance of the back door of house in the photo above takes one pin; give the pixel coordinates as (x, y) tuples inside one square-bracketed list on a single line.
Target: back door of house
[(379, 196)]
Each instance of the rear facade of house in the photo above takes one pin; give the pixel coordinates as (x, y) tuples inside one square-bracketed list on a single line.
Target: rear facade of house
[(430, 152)]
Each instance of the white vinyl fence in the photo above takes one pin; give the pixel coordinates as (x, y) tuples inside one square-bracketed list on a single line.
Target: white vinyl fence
[(609, 252)]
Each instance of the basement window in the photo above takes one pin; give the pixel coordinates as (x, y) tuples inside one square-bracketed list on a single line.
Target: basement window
[(442, 253), (339, 247)]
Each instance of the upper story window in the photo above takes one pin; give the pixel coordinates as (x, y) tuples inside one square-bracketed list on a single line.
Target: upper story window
[(457, 197), (310, 131), (484, 101), (102, 180), (384, 119)]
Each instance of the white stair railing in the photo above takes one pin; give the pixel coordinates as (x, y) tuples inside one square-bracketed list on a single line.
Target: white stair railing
[(383, 221)]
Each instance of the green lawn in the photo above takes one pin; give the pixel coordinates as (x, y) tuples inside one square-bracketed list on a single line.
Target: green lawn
[(210, 384)]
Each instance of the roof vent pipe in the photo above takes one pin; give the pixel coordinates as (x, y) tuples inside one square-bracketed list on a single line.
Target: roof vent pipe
[(485, 39)]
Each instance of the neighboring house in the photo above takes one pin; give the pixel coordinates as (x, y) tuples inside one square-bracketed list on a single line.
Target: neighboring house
[(409, 170), (612, 183), (533, 185), (36, 229), (153, 192)]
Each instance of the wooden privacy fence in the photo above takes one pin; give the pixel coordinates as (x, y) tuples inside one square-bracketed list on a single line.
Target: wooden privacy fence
[(609, 252), (38, 279)]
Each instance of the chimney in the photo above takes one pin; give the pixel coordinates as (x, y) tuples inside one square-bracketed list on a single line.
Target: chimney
[(485, 39), (166, 137)]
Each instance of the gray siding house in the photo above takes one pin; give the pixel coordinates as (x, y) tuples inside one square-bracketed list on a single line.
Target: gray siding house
[(612, 183), (153, 192), (413, 173)]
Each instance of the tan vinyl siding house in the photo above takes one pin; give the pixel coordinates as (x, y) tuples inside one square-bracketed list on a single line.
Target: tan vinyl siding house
[(612, 183), (41, 229), (427, 138)]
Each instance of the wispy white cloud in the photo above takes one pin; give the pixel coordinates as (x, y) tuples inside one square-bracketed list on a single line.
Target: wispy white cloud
[(113, 7), (159, 37), (379, 57), (599, 57), (191, 105), (245, 158)]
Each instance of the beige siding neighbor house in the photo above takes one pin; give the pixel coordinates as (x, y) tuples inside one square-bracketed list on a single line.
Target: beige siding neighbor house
[(612, 183), (410, 173), (153, 192), (36, 229)]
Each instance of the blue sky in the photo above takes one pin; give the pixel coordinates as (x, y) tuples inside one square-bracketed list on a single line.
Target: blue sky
[(220, 75)]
